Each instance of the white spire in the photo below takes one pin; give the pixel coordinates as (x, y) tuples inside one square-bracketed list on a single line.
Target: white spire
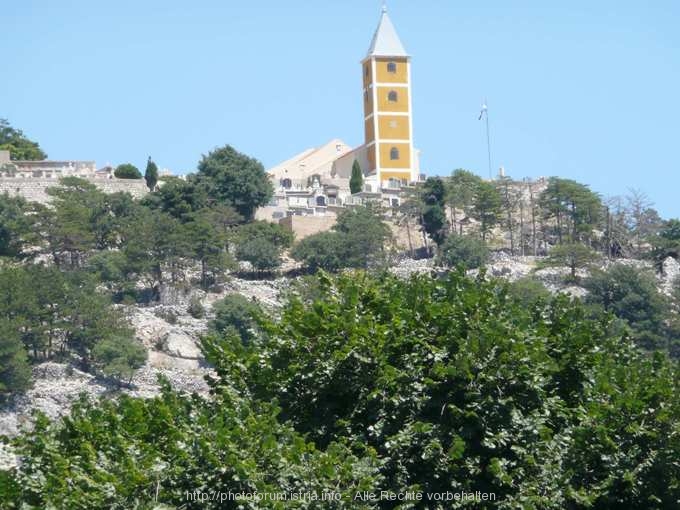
[(385, 41)]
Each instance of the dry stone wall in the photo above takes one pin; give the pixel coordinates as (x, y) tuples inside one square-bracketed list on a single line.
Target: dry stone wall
[(35, 190)]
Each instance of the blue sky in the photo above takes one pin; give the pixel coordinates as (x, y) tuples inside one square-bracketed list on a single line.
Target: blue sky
[(584, 90)]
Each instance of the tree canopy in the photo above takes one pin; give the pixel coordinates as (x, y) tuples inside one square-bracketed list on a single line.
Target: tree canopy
[(20, 147), (127, 171), (235, 179)]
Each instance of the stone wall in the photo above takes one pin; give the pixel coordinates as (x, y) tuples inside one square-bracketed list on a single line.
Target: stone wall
[(36, 189), (303, 226)]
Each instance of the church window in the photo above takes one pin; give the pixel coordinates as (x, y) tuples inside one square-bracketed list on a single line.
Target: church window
[(391, 67), (392, 96), (394, 153), (286, 183)]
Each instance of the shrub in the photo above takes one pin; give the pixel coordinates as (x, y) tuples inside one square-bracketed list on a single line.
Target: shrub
[(467, 251), (238, 312), (325, 250), (196, 308), (127, 171), (119, 357)]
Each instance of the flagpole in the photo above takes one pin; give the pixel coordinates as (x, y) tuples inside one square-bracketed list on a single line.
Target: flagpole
[(488, 138)]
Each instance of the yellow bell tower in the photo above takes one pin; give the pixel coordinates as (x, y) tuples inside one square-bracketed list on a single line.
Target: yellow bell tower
[(387, 107)]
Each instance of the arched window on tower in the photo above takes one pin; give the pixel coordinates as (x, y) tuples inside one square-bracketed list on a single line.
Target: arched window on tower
[(391, 67), (392, 96), (394, 153)]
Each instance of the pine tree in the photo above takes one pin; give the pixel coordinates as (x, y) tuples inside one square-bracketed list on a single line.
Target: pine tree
[(356, 181), (151, 174), (15, 374)]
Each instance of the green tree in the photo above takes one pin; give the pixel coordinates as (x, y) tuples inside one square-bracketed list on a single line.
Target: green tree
[(575, 209), (666, 243), (456, 384), (262, 243), (460, 194), (127, 171), (15, 226), (326, 250), (119, 357), (151, 174), (158, 245), (239, 313), (365, 235), (207, 244), (572, 255), (261, 253), (356, 181), (632, 295), (179, 198), (463, 250), (20, 147), (528, 291), (235, 179), (272, 232), (486, 207), (15, 373), (433, 217)]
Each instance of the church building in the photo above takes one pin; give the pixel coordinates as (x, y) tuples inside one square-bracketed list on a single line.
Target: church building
[(318, 178)]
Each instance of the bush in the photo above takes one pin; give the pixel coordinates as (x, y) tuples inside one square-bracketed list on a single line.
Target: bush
[(196, 308), (238, 312), (469, 252), (119, 357), (325, 250), (262, 254), (15, 373), (632, 295), (455, 384), (528, 291), (127, 171)]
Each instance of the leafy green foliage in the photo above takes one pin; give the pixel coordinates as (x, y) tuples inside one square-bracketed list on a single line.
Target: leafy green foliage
[(119, 357), (631, 294), (356, 180), (20, 147), (365, 235), (572, 255), (325, 250), (457, 385), (156, 453), (460, 192), (151, 174), (178, 197), (15, 374), (261, 253), (486, 207), (261, 243), (528, 291), (234, 179), (432, 384), (238, 313), (14, 225), (667, 243), (59, 314), (127, 171), (575, 209), (358, 240), (433, 218), (463, 250)]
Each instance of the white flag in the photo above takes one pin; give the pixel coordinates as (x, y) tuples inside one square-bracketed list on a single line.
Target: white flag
[(481, 114)]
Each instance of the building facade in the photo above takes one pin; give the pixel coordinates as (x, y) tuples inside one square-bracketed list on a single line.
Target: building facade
[(316, 181)]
